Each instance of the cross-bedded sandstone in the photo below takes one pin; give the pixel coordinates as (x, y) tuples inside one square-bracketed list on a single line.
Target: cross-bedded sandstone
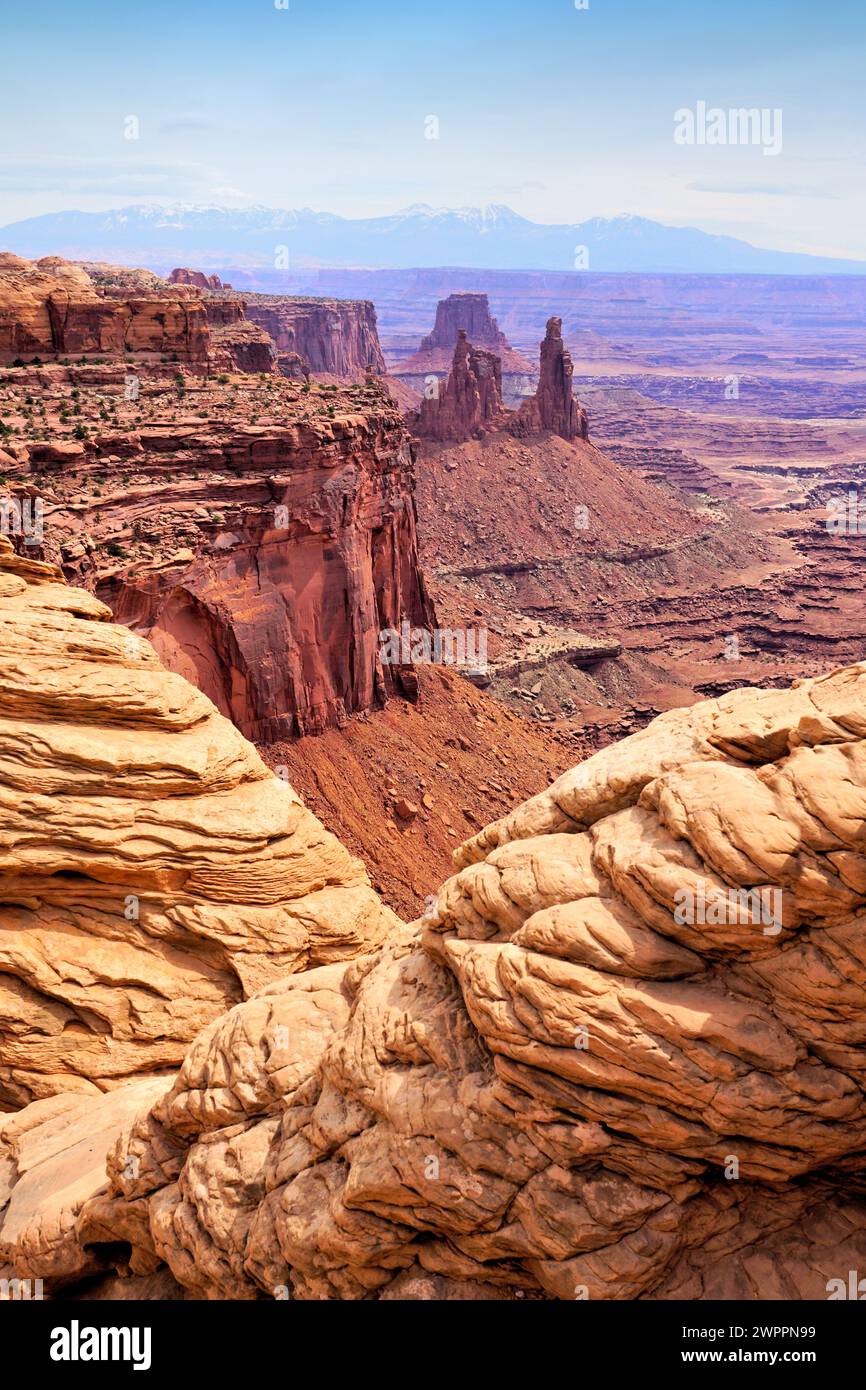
[(554, 1083)]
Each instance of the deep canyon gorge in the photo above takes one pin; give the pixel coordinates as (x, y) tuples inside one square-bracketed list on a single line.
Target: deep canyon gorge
[(354, 977)]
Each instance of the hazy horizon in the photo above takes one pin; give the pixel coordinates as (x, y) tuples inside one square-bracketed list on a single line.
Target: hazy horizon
[(562, 114), (496, 238)]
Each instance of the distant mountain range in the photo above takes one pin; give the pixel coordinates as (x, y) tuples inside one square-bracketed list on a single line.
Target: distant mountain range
[(494, 238)]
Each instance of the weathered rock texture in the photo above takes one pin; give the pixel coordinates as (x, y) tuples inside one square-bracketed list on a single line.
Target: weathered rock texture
[(469, 313), (52, 307), (312, 554), (260, 532), (470, 402), (182, 275), (557, 1082), (236, 344), (292, 366), (153, 872), (470, 405), (553, 407), (334, 337)]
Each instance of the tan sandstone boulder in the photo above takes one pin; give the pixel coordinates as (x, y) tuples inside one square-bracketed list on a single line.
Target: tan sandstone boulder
[(621, 1058), (153, 872)]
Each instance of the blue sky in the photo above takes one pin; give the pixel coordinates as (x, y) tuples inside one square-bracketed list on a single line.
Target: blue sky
[(561, 113)]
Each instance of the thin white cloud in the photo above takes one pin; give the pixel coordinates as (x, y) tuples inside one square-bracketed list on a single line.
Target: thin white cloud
[(109, 177), (779, 190)]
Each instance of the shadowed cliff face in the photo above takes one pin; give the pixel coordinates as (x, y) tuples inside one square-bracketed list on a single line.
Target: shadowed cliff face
[(278, 619), (335, 337), (621, 1056)]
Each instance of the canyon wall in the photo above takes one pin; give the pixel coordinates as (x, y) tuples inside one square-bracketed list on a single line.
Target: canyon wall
[(260, 532), (236, 344), (334, 337), (313, 552), (53, 308)]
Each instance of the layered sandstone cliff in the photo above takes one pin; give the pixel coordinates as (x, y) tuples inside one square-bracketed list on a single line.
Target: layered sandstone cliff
[(470, 313), (333, 337), (236, 344), (53, 308), (260, 532), (622, 1056), (153, 872)]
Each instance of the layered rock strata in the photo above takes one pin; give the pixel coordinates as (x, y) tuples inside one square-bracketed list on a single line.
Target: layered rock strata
[(153, 872), (334, 337), (51, 308), (54, 308), (311, 553), (622, 1056), (469, 313), (236, 344), (260, 531)]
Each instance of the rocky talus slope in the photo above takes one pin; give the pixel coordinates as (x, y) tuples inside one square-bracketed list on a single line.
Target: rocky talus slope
[(153, 872), (558, 1083)]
